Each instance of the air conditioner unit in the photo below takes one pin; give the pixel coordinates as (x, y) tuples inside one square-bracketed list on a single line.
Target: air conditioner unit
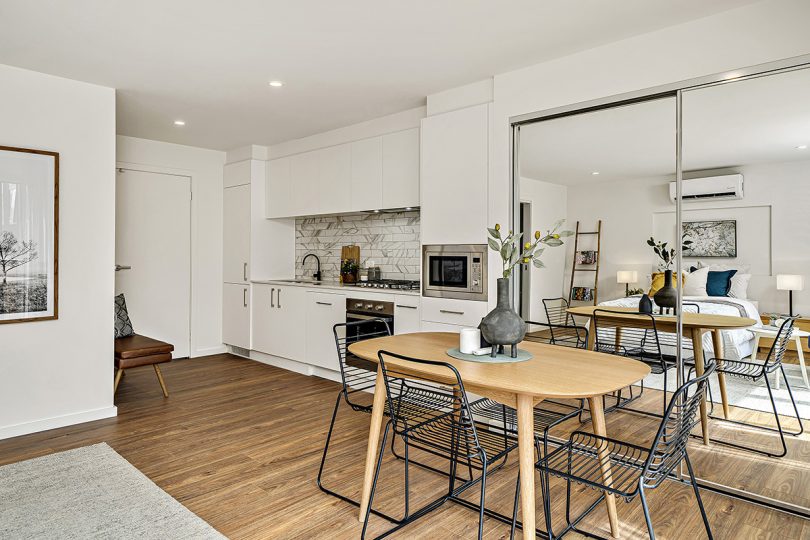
[(710, 188)]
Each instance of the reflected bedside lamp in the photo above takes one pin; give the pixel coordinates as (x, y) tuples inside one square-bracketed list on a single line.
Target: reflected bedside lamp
[(790, 283), (627, 277)]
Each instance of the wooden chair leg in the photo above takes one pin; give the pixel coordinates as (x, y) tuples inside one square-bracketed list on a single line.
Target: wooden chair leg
[(118, 375), (160, 380)]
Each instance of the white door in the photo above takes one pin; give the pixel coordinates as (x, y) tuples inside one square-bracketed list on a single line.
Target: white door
[(236, 234), (236, 315), (153, 239)]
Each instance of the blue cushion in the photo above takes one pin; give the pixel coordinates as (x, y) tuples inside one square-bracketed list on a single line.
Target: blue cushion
[(719, 283)]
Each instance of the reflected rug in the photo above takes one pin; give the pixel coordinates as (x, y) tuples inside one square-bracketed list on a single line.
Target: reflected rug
[(90, 492)]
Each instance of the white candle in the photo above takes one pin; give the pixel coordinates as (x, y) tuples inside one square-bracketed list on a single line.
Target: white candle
[(470, 340)]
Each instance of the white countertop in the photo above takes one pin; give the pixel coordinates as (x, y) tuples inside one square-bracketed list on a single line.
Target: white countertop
[(334, 285)]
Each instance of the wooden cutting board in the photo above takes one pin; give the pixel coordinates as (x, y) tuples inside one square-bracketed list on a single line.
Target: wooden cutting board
[(350, 253)]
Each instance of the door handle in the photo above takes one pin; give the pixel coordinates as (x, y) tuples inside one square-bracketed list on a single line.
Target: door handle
[(406, 307), (244, 297), (271, 297), (278, 299), (324, 303), (119, 267), (244, 271), (451, 312)]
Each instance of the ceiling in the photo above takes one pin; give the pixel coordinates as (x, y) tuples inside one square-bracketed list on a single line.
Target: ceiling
[(760, 120), (209, 62)]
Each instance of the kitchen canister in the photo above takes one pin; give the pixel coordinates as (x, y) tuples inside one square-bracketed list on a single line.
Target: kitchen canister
[(469, 340)]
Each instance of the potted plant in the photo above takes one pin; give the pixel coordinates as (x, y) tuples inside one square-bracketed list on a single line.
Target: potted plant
[(348, 271), (666, 296), (503, 326)]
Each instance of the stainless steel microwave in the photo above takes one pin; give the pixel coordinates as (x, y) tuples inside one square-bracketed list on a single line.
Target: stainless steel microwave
[(455, 271)]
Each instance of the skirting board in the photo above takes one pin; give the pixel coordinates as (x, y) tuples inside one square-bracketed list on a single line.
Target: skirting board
[(295, 366), (208, 351), (35, 426)]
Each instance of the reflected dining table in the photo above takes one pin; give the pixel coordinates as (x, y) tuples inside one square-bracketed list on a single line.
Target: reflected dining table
[(694, 326), (553, 372)]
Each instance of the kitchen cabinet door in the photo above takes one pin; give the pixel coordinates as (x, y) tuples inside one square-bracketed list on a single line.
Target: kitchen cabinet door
[(279, 321), (334, 187), (236, 234), (454, 176), (324, 310), (278, 188), (407, 318), (304, 174), (367, 174), (400, 187), (236, 315)]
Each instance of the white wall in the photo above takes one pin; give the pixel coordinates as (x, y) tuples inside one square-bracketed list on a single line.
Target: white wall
[(205, 168), (753, 34), (548, 204), (57, 373)]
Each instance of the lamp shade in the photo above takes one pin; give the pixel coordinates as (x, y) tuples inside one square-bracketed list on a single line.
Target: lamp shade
[(626, 276), (789, 282)]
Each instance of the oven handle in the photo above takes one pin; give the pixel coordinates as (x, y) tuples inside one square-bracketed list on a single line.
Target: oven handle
[(359, 317)]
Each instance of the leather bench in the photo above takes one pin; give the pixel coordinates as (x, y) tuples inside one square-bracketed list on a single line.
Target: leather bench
[(136, 350)]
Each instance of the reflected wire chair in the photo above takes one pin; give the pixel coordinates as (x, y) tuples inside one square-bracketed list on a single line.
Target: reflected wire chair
[(755, 371), (431, 412), (633, 468), (561, 325)]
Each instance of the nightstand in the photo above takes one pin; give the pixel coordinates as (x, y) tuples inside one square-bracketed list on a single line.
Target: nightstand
[(769, 333)]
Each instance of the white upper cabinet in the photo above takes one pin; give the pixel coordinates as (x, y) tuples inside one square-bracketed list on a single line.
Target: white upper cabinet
[(367, 174), (455, 171), (278, 188), (304, 178), (236, 234), (334, 188), (400, 186), (370, 174)]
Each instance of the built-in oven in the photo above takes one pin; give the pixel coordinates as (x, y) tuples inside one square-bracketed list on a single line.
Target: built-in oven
[(378, 313), (455, 271)]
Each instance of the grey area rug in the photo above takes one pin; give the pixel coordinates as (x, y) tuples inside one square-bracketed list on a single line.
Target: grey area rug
[(90, 492), (753, 395)]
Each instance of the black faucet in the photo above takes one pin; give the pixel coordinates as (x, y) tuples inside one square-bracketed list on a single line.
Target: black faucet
[(317, 274)]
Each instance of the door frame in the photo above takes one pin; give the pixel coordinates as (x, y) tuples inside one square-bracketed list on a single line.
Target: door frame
[(192, 248)]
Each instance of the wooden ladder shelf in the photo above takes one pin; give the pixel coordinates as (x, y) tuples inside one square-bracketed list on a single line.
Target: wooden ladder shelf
[(593, 268)]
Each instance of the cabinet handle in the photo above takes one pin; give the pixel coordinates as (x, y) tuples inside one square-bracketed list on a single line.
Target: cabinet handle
[(451, 312), (271, 297), (244, 271), (324, 303), (278, 299), (406, 307), (244, 297)]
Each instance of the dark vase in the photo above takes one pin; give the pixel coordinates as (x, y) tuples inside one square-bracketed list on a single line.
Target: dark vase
[(645, 305), (667, 296), (503, 326)]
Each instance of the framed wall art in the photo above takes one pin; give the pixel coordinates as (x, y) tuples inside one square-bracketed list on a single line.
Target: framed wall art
[(711, 238), (29, 234)]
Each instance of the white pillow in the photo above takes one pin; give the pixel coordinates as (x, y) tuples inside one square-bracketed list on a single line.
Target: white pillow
[(739, 286), (696, 282), (740, 268)]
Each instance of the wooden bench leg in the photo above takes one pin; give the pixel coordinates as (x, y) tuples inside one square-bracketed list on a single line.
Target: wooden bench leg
[(160, 380), (118, 375)]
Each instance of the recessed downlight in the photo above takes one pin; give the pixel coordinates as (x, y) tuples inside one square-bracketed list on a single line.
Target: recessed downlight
[(179, 123), (595, 173), (276, 84), (801, 147)]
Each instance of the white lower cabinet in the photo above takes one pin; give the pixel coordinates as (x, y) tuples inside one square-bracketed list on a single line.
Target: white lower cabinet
[(279, 321), (455, 312), (429, 326), (324, 311), (407, 319), (236, 315)]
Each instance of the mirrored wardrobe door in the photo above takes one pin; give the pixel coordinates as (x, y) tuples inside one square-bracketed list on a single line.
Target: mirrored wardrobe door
[(746, 226)]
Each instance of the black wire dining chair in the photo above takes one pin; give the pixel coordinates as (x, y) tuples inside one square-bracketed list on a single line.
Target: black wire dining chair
[(633, 468), (431, 412), (758, 372), (561, 325)]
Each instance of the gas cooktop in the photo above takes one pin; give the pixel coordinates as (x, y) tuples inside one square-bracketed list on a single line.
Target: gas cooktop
[(401, 284)]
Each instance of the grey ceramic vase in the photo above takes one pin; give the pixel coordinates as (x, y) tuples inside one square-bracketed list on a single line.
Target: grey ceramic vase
[(503, 326), (667, 296)]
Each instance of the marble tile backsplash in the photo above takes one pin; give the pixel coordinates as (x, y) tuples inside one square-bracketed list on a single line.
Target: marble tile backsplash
[(390, 239)]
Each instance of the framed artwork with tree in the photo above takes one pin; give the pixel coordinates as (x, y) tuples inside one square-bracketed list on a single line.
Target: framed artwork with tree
[(29, 234)]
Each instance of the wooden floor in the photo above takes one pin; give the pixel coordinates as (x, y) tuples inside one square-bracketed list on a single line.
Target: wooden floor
[(239, 443)]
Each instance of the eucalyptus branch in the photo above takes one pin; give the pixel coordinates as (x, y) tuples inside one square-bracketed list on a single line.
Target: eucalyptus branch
[(513, 253)]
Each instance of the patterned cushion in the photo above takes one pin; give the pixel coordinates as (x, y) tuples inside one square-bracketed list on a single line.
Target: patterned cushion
[(123, 326)]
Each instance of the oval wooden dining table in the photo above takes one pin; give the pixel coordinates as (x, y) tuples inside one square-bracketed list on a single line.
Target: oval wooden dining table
[(553, 372), (694, 326)]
